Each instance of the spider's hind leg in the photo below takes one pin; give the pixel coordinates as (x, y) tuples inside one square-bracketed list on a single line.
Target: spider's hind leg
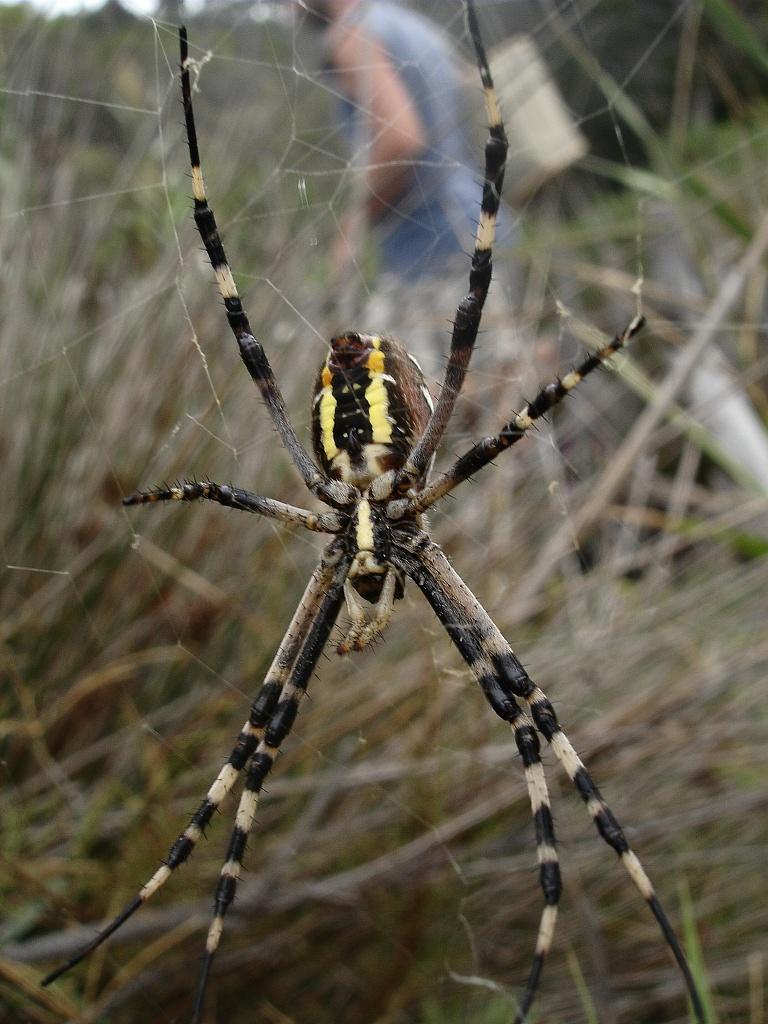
[(309, 643), (316, 606), (504, 680), (550, 878)]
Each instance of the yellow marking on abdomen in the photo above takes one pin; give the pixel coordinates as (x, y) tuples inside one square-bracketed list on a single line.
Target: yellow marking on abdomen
[(377, 397), (327, 415), (376, 359), (378, 410)]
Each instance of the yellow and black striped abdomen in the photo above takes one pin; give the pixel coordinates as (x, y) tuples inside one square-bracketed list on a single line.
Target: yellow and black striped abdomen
[(369, 405)]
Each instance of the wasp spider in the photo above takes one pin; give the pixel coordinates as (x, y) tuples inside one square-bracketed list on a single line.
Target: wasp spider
[(375, 431)]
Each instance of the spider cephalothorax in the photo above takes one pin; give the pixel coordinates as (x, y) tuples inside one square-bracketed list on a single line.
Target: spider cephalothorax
[(375, 434)]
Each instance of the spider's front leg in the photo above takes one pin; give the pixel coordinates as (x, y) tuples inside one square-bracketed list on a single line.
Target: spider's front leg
[(333, 492), (506, 685), (467, 320)]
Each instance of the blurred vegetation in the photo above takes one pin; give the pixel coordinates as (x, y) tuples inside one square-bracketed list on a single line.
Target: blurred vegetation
[(392, 875)]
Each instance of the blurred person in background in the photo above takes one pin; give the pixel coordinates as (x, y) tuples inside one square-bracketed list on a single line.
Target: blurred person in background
[(403, 108), (404, 112)]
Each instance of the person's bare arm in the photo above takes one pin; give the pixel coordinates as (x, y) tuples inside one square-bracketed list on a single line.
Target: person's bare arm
[(397, 133)]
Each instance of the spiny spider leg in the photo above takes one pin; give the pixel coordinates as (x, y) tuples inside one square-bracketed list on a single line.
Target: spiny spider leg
[(453, 616), (489, 448), (468, 314), (253, 731), (237, 497), (546, 854), (279, 725), (251, 351), (482, 645)]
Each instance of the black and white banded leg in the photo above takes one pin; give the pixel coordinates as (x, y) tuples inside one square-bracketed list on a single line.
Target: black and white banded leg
[(292, 651), (468, 313), (489, 448), (252, 352), (277, 727), (505, 682), (239, 498), (506, 705)]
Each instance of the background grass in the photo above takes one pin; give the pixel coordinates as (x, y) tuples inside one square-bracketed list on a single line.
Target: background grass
[(392, 875)]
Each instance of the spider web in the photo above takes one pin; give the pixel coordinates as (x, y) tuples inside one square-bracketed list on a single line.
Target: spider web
[(392, 869)]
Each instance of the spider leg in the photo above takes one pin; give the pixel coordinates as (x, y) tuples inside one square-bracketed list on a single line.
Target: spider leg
[(278, 726), (489, 448), (468, 314), (237, 497), (505, 704), (504, 679), (251, 351), (546, 854), (262, 710)]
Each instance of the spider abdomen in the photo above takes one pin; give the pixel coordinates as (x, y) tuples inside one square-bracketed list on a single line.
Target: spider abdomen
[(370, 404)]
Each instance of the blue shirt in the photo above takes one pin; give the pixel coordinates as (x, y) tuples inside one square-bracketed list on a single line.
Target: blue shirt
[(434, 218)]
